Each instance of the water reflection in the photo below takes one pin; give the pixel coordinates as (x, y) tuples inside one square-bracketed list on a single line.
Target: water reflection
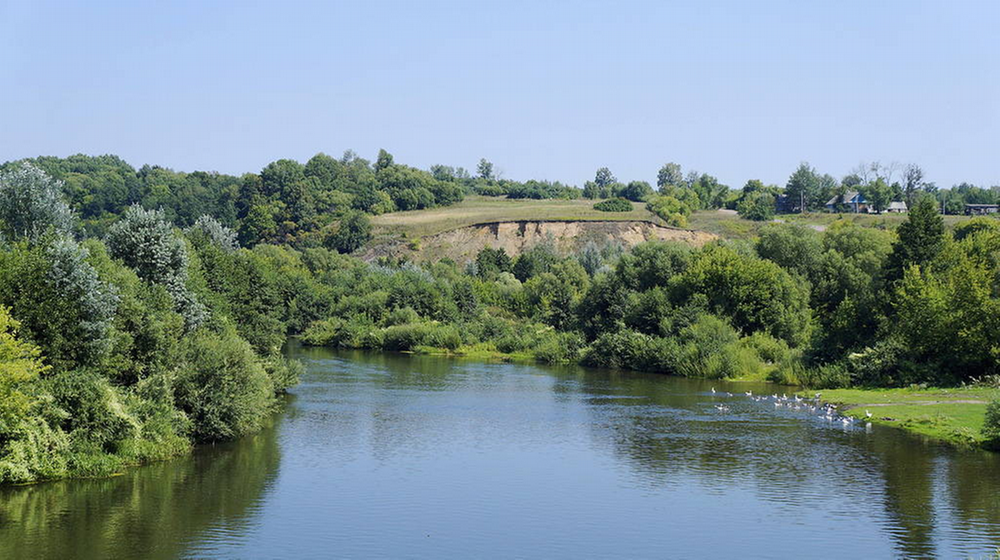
[(149, 512)]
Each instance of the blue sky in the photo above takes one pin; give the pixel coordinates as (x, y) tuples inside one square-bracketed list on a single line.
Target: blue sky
[(548, 90)]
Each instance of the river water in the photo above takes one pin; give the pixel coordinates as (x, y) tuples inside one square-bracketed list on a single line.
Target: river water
[(390, 456)]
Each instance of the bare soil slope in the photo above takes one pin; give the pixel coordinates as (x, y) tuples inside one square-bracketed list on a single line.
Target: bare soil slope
[(462, 244)]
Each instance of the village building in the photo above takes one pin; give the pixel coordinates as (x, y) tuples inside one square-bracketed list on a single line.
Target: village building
[(981, 209), (852, 200)]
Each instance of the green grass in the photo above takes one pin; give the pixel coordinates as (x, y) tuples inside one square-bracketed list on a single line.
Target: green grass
[(483, 209), (954, 415), (725, 223)]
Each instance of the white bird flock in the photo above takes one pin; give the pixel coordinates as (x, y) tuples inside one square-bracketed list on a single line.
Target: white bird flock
[(826, 411)]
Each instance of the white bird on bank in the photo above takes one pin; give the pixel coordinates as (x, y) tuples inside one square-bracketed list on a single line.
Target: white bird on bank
[(868, 414), (713, 390)]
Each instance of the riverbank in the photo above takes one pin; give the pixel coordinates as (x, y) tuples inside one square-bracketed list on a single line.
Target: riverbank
[(954, 415)]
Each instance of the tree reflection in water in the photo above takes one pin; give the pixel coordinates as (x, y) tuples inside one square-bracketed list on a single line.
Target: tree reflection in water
[(147, 512)]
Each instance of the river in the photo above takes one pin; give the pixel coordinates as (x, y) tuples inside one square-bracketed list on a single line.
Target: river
[(391, 456)]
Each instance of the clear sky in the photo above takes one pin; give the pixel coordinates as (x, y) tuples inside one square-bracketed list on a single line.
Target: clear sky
[(547, 90)]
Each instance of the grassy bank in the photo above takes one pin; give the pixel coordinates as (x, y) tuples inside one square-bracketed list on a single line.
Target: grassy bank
[(954, 415)]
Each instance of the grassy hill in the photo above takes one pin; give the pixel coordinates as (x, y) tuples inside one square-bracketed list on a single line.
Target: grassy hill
[(483, 209)]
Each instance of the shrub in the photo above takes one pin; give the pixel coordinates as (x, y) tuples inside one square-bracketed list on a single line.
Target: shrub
[(757, 206), (670, 209), (883, 365), (284, 373), (222, 386), (29, 448), (408, 337), (401, 316), (631, 350), (614, 205), (991, 427), (342, 333), (827, 376), (58, 298), (96, 411), (558, 348)]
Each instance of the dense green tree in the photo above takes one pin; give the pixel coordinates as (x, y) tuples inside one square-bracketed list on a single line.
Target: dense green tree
[(603, 307), (352, 233), (758, 206), (31, 204), (669, 176), (711, 194), (536, 260), (57, 296), (947, 322), (878, 194), (146, 243), (636, 191), (485, 169), (383, 160), (604, 179), (592, 190), (794, 248), (21, 365), (804, 188), (757, 295), (280, 175), (651, 265), (991, 425), (492, 261), (921, 239)]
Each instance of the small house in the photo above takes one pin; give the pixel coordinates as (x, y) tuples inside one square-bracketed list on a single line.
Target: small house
[(853, 200), (981, 209), (897, 207)]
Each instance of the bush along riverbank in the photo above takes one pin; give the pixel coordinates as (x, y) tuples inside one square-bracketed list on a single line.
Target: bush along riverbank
[(131, 348)]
